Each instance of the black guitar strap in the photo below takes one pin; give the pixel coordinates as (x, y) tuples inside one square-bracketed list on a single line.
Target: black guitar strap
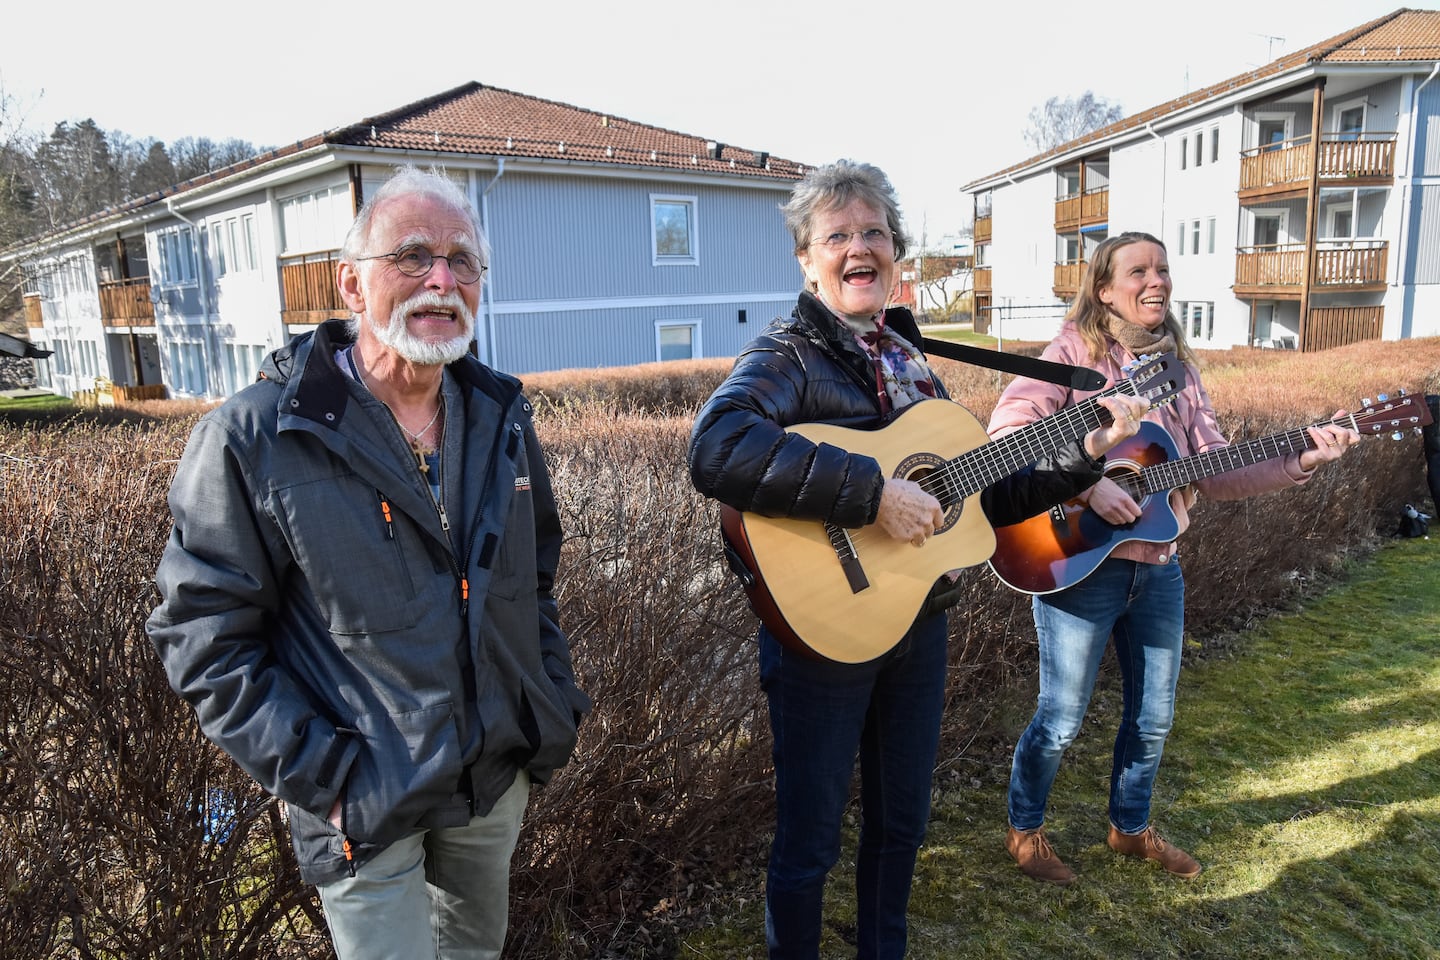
[(1067, 375)]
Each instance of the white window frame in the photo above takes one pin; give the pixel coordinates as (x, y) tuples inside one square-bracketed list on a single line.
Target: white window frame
[(314, 221), (1338, 109), (1286, 121), (174, 263), (697, 350), (692, 203), (1282, 225)]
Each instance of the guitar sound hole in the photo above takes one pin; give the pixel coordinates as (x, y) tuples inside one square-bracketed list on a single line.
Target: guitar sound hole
[(920, 468)]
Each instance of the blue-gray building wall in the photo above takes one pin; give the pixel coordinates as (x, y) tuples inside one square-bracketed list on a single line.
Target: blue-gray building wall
[(573, 281)]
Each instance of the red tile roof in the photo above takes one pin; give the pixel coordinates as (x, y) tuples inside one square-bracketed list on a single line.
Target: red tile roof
[(488, 121), (1405, 36)]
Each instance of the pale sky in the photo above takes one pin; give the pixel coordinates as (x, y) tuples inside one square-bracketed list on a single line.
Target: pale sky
[(935, 92)]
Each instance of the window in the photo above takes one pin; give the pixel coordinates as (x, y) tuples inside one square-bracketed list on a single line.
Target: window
[(672, 230), (1198, 319), (240, 361), (1267, 230), (1180, 240), (1199, 148), (1194, 236), (1184, 151), (1210, 233), (1273, 132), (1350, 121), (233, 245), (316, 221), (176, 260), (187, 366), (677, 339), (1214, 144)]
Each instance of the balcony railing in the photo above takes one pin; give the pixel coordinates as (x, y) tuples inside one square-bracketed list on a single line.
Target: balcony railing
[(127, 303), (1092, 206), (1343, 157), (984, 284), (982, 229), (34, 317), (1068, 276), (308, 290), (1352, 263)]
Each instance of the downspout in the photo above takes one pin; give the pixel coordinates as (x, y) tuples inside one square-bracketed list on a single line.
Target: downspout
[(1398, 266), (202, 262), (490, 345)]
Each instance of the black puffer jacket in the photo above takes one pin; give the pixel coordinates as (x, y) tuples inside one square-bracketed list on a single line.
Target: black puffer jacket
[(808, 369)]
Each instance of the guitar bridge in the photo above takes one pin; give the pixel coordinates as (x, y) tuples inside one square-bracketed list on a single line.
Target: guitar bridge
[(844, 549)]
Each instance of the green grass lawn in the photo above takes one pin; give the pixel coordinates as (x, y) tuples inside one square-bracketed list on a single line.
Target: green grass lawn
[(1303, 772)]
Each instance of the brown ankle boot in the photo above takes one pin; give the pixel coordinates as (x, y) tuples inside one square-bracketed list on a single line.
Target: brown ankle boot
[(1149, 845), (1031, 849)]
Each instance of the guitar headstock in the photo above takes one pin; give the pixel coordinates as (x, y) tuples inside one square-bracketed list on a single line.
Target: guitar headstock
[(1393, 415), (1156, 377)]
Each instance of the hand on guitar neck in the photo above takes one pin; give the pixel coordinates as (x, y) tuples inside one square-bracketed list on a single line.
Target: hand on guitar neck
[(1113, 504), (908, 512)]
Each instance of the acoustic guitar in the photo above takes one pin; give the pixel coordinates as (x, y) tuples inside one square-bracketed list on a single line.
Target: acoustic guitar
[(1064, 545), (851, 594)]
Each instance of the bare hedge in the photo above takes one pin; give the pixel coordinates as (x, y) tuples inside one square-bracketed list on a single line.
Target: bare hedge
[(123, 834)]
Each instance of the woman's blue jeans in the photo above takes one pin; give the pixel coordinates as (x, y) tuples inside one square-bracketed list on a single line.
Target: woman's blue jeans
[(823, 714), (1143, 605)]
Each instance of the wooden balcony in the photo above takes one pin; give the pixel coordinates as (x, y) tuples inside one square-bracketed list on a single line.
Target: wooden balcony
[(984, 283), (1279, 271), (34, 318), (983, 226), (307, 288), (1283, 169), (1067, 278), (1082, 209), (126, 303)]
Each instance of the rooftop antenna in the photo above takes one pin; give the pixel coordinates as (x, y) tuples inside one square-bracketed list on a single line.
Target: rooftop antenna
[(1269, 44)]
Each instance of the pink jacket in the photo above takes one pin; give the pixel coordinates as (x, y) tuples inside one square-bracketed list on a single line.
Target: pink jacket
[(1189, 418)]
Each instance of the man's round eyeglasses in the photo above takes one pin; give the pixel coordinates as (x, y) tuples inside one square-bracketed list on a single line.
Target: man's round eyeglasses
[(874, 238), (415, 261)]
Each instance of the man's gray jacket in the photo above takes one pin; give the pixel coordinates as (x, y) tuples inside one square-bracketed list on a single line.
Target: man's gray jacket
[(333, 635)]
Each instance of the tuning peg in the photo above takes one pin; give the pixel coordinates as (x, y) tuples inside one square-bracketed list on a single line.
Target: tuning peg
[(1365, 402), (1384, 397), (1398, 435)]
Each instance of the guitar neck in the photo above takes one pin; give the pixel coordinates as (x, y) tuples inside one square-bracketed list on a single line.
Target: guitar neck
[(975, 470), (1177, 473)]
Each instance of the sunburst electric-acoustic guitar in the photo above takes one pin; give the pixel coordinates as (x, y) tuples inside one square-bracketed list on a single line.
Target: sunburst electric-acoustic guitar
[(851, 594), (1061, 547)]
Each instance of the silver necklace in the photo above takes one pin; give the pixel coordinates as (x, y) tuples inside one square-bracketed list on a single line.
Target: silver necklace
[(417, 443)]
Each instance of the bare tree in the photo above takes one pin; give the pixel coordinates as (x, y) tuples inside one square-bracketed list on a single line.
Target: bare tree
[(1060, 121)]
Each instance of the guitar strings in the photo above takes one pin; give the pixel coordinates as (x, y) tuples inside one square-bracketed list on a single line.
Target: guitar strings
[(1033, 440)]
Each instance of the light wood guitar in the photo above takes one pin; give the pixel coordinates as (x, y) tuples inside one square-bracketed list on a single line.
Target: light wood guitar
[(851, 594), (1061, 547)]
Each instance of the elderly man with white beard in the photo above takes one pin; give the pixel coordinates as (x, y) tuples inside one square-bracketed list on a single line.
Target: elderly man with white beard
[(357, 594)]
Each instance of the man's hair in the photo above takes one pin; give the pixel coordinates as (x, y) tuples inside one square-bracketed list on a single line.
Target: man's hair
[(1091, 315), (835, 185), (410, 181)]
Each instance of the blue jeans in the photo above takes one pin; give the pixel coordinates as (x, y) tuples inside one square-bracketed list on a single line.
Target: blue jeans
[(1144, 606), (823, 714)]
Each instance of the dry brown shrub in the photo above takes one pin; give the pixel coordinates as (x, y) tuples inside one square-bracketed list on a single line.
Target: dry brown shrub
[(102, 852), (104, 777)]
